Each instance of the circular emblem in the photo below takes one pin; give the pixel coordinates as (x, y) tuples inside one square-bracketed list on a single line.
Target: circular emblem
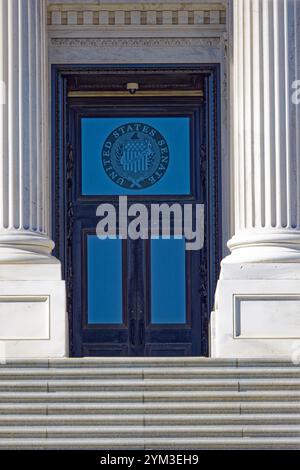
[(135, 156)]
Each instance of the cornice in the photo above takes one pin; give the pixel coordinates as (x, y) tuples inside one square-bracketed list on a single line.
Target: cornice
[(145, 14)]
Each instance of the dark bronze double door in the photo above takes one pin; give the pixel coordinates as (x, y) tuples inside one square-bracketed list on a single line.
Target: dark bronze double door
[(137, 297), (145, 296)]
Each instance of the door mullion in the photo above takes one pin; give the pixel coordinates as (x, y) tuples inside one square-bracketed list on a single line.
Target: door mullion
[(131, 297), (141, 295)]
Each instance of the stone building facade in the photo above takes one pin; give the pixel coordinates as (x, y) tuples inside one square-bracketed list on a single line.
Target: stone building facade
[(255, 47)]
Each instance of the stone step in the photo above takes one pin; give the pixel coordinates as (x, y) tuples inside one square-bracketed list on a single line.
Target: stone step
[(148, 396), (126, 362), (149, 403), (102, 385), (123, 408), (150, 431), (175, 443), (134, 373), (148, 361), (148, 384), (127, 408), (149, 419)]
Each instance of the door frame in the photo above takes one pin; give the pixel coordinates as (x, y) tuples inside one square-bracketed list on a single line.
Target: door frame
[(62, 167)]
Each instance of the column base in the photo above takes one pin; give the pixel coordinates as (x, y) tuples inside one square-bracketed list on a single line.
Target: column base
[(257, 311), (265, 246), (33, 317), (25, 246)]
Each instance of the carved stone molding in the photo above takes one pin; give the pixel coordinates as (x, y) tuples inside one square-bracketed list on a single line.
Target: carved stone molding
[(134, 42)]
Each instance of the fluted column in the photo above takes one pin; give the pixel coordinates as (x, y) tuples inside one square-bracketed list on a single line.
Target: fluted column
[(24, 173), (266, 62)]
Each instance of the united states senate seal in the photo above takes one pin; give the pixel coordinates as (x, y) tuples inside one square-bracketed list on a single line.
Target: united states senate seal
[(135, 155)]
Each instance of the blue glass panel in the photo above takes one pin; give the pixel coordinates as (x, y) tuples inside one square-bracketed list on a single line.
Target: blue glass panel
[(168, 303), (104, 270), (117, 160)]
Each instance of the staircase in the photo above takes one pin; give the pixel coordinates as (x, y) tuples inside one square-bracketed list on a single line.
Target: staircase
[(149, 403)]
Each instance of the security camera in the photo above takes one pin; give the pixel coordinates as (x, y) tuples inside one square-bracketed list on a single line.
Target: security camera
[(132, 87)]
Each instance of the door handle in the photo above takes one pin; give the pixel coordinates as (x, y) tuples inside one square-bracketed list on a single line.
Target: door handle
[(132, 332), (141, 331)]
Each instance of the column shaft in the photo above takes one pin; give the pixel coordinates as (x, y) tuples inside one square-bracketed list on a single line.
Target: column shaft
[(24, 175), (266, 131)]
